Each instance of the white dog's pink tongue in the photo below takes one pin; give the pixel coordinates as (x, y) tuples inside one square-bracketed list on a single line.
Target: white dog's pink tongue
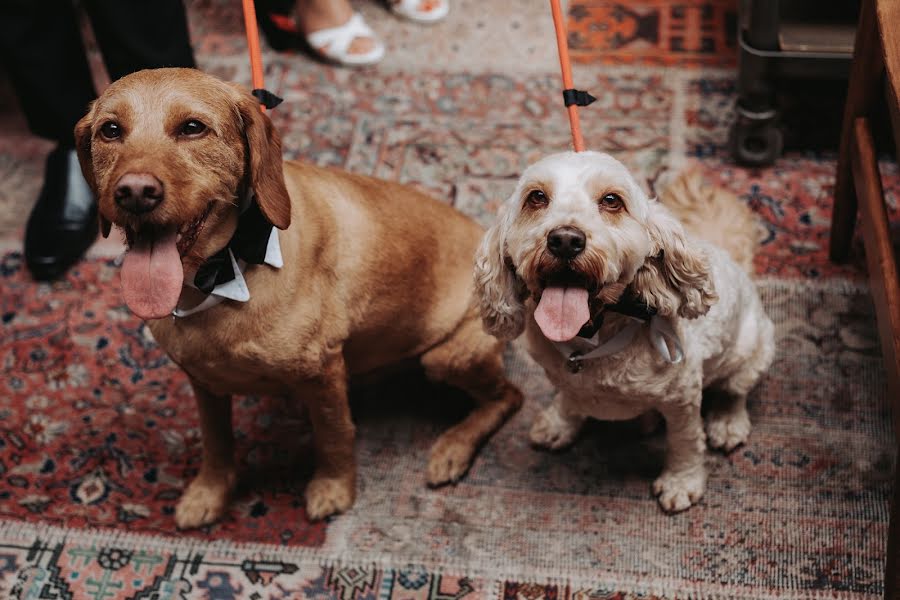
[(562, 312), (152, 276)]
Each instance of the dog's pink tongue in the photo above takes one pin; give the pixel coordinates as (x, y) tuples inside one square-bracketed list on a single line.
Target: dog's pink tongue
[(152, 276), (562, 312)]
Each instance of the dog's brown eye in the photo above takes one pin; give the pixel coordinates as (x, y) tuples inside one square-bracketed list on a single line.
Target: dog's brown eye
[(612, 202), (111, 130), (192, 128), (537, 198)]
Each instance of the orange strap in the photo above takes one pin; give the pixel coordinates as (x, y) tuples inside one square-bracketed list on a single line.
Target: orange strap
[(566, 67), (256, 67)]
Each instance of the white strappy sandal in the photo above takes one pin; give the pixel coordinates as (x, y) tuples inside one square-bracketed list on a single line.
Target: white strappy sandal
[(421, 11), (334, 43)]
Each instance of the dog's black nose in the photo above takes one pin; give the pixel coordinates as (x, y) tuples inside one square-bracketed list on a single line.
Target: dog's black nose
[(138, 193), (566, 242)]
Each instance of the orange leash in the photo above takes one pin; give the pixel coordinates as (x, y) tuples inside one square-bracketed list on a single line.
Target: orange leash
[(256, 66), (566, 66)]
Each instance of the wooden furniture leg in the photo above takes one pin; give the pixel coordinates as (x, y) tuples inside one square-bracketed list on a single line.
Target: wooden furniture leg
[(862, 93), (885, 286), (883, 276), (874, 79)]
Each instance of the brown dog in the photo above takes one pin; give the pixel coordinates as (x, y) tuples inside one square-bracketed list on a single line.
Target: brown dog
[(374, 273)]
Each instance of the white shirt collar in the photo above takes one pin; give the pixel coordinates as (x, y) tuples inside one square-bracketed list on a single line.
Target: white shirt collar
[(236, 289)]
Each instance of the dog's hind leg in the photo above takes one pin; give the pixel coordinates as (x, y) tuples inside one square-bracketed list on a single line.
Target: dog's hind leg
[(206, 498), (728, 423), (472, 361)]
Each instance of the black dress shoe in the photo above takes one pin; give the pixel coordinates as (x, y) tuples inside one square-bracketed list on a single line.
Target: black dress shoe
[(63, 222)]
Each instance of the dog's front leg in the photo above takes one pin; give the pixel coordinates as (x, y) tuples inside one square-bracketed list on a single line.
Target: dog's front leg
[(206, 498), (333, 486), (683, 480)]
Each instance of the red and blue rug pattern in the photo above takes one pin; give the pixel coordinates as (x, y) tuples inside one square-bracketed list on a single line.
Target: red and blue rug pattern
[(685, 33), (106, 424), (98, 436)]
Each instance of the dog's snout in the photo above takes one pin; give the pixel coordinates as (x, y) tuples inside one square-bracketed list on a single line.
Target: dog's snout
[(566, 242), (138, 193)]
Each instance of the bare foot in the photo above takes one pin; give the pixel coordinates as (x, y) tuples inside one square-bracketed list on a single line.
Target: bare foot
[(316, 15)]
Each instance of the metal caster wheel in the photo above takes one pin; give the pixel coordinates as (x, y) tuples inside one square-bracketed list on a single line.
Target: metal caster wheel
[(755, 139)]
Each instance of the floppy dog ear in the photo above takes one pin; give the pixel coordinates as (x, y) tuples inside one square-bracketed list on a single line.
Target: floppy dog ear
[(498, 288), (675, 279), (266, 174), (83, 137)]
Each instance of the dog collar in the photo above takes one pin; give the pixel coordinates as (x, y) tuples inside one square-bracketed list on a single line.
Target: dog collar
[(662, 334), (221, 276), (629, 305)]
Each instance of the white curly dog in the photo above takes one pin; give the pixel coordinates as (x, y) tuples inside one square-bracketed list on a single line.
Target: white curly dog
[(629, 309)]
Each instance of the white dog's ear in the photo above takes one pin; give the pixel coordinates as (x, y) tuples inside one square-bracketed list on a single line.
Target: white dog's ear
[(675, 279), (498, 288)]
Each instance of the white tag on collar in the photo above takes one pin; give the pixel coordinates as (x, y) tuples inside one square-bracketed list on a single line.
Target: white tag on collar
[(273, 250)]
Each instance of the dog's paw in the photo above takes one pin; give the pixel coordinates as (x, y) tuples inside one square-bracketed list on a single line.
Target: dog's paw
[(204, 502), (450, 459), (326, 496), (554, 431), (727, 430), (680, 490)]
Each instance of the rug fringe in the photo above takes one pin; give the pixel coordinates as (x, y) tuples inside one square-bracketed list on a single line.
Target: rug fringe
[(494, 575)]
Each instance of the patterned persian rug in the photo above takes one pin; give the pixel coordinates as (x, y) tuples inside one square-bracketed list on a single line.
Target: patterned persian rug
[(99, 433), (98, 436)]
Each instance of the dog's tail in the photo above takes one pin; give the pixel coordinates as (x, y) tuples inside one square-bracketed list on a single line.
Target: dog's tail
[(715, 215)]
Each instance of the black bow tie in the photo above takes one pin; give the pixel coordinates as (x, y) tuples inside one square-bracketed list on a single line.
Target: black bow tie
[(249, 243)]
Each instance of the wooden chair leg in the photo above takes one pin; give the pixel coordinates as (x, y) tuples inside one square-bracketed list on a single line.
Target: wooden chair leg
[(886, 294), (883, 278), (862, 95)]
